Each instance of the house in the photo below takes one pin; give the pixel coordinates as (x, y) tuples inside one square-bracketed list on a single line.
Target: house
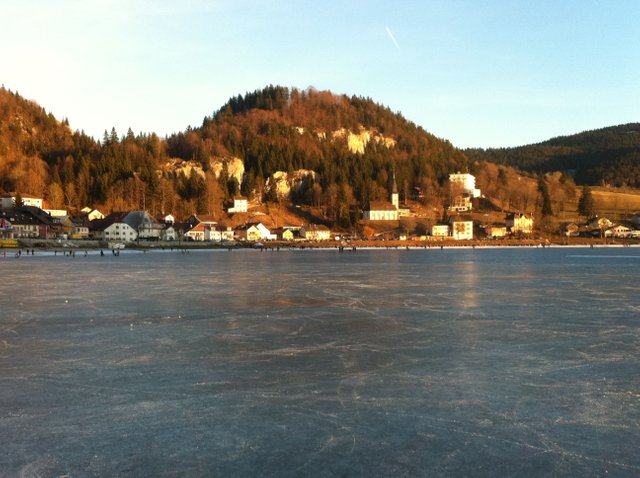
[(24, 226), (207, 220), (381, 211), (72, 228), (465, 182), (27, 222), (66, 225), (169, 233), (167, 219), (254, 231), (461, 228), (265, 233), (239, 205), (519, 223), (440, 230), (570, 229), (145, 225), (460, 202), (196, 233), (316, 232), (79, 230), (20, 223), (462, 188), (33, 222), (8, 200), (599, 223), (496, 231), (619, 230), (283, 233), (113, 228), (218, 233), (248, 232), (92, 214), (56, 212)]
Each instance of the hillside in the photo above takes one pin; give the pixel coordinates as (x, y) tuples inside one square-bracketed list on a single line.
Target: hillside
[(608, 156), (40, 155), (299, 156), (313, 148)]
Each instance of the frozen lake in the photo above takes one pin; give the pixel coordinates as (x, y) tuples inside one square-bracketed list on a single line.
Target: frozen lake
[(492, 362)]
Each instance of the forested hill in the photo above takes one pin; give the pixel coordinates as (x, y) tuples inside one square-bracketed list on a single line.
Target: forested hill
[(345, 140), (603, 156), (348, 149)]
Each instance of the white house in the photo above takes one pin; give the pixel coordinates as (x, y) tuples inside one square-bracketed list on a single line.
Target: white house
[(618, 231), (119, 231), (9, 199), (240, 204), (218, 233), (167, 219), (465, 182), (461, 228), (266, 233), (113, 228), (169, 233)]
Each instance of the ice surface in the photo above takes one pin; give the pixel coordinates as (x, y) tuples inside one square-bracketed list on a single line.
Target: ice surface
[(374, 363)]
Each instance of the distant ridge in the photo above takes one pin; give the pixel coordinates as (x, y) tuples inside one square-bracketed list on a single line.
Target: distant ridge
[(607, 156)]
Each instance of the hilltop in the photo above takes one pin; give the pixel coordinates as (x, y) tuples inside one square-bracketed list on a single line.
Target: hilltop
[(606, 156)]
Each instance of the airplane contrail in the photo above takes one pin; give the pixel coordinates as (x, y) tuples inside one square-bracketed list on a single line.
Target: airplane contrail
[(393, 39)]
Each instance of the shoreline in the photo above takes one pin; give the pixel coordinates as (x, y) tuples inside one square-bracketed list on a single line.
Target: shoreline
[(81, 248)]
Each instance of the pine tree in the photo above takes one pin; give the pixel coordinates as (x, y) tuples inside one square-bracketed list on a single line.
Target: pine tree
[(543, 189), (586, 204)]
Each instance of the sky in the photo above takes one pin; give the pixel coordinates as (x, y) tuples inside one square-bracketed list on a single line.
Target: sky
[(490, 73)]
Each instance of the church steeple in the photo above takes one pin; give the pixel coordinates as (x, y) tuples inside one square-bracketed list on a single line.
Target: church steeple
[(395, 197)]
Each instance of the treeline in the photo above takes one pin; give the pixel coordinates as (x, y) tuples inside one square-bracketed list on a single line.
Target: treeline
[(608, 156)]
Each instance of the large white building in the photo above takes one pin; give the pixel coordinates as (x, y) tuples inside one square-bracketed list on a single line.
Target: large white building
[(240, 204), (9, 200), (461, 228), (462, 190), (466, 182)]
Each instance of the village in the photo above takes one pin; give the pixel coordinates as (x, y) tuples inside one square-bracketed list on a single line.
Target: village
[(25, 217)]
